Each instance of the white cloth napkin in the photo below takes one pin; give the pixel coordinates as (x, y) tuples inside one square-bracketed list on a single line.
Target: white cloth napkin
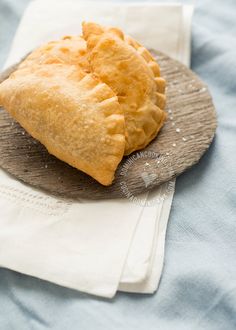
[(97, 247)]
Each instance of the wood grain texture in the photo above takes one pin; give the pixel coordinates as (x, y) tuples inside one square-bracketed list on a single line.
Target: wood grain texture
[(186, 135)]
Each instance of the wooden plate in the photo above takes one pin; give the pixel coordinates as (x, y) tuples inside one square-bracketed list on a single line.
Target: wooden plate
[(186, 135)]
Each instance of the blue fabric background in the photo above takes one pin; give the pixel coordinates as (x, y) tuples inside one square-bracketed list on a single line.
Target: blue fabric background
[(198, 286)]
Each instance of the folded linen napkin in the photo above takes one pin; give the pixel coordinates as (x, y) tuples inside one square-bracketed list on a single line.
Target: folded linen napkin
[(96, 247)]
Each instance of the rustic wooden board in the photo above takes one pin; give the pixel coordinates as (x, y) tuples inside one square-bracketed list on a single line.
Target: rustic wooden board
[(186, 135)]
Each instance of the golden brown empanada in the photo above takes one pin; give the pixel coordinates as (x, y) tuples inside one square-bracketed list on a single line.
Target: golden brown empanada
[(76, 116), (131, 72)]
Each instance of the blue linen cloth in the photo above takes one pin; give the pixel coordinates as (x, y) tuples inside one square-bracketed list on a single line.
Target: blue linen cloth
[(198, 285)]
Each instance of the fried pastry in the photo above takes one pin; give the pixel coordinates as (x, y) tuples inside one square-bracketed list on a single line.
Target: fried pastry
[(76, 116), (132, 73)]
